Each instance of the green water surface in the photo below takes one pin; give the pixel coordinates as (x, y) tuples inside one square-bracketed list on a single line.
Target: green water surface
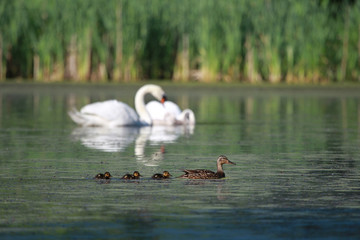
[(297, 152)]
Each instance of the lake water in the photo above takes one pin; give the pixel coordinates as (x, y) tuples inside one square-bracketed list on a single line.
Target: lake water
[(297, 176)]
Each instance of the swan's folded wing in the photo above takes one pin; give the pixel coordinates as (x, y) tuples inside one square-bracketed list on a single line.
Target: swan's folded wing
[(112, 110)]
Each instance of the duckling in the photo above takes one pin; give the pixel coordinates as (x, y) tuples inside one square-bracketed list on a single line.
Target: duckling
[(207, 174), (106, 175), (164, 175), (99, 176), (127, 176), (135, 175)]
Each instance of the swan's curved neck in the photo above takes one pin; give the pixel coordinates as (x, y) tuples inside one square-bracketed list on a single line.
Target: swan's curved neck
[(140, 105)]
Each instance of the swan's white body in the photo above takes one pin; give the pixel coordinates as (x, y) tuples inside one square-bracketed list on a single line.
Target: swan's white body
[(113, 113), (169, 113)]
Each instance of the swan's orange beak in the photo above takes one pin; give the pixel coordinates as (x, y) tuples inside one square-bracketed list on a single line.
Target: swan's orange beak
[(163, 99)]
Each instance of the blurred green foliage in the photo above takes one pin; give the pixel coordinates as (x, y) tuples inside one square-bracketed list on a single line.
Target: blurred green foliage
[(207, 40)]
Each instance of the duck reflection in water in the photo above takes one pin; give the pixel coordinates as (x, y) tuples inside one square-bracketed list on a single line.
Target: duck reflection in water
[(221, 189)]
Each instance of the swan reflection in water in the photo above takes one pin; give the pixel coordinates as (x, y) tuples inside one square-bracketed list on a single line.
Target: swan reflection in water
[(106, 139), (120, 138)]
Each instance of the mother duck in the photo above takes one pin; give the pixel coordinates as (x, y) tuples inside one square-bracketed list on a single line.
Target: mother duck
[(207, 174)]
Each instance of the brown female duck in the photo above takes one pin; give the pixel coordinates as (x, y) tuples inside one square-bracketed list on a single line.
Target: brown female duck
[(106, 175), (207, 174), (135, 175), (164, 175)]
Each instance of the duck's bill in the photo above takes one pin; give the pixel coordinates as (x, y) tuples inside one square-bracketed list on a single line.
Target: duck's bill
[(230, 162)]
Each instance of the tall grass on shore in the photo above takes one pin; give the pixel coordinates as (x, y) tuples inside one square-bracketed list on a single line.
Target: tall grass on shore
[(207, 40)]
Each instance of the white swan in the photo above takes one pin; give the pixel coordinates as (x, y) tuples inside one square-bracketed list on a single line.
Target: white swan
[(113, 113), (169, 113)]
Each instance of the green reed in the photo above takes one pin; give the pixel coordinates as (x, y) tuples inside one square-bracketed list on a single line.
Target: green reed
[(212, 41)]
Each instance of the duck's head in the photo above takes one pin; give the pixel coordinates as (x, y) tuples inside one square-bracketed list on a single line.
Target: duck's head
[(107, 175), (166, 174), (136, 174), (222, 159)]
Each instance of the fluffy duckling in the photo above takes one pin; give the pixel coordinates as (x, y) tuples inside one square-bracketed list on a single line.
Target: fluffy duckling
[(106, 175), (207, 174), (135, 175), (164, 175)]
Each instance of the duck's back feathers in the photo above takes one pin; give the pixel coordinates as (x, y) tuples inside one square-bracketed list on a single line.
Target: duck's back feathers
[(198, 171), (157, 176), (99, 176), (202, 174), (164, 175), (127, 176), (106, 175), (135, 175)]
